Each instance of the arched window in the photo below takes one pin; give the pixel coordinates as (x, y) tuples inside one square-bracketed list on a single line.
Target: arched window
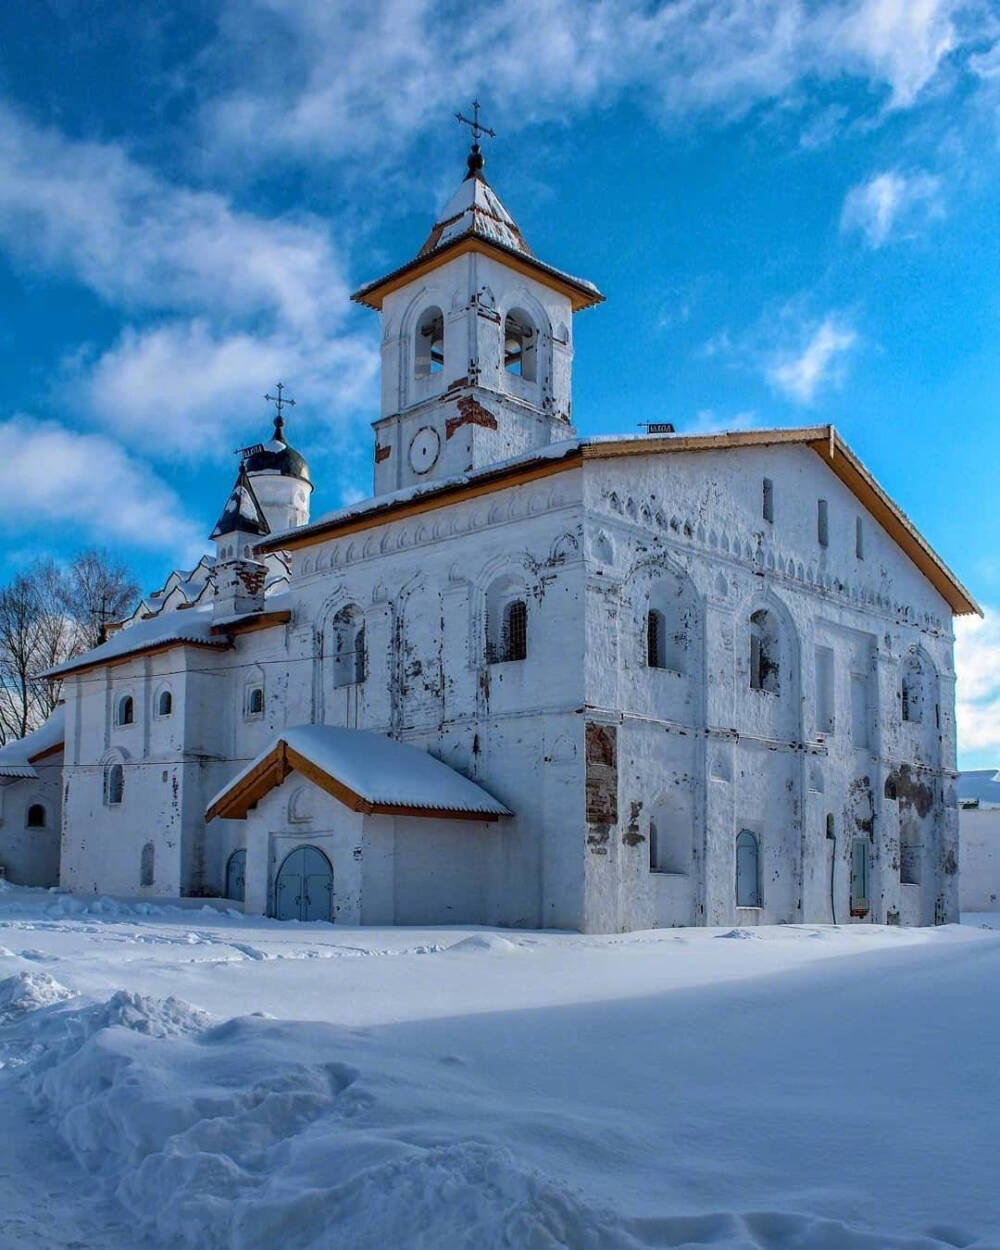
[(520, 345), (747, 870), (860, 872), (670, 838), (909, 854), (764, 645), (350, 662), (428, 351), (125, 714), (506, 621), (514, 642), (670, 617), (912, 689), (164, 703), (255, 701), (114, 784), (656, 628), (147, 865), (36, 816)]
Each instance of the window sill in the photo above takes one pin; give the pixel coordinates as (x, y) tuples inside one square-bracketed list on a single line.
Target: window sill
[(665, 872)]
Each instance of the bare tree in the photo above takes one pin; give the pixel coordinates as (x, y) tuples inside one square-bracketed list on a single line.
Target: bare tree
[(48, 614), (98, 589), (20, 639)]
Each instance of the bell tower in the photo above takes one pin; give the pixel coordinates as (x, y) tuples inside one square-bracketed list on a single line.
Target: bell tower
[(477, 344)]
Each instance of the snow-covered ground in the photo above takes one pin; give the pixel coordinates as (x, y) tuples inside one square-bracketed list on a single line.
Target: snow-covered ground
[(187, 1078)]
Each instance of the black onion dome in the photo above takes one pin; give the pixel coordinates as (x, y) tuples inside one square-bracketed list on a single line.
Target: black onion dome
[(277, 457)]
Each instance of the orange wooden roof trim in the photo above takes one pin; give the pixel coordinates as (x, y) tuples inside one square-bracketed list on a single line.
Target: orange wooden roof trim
[(150, 649), (831, 448), (822, 439), (283, 759), (580, 294), (458, 492), (54, 749)]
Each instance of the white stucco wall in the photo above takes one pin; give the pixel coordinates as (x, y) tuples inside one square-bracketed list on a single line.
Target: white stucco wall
[(30, 854), (979, 881)]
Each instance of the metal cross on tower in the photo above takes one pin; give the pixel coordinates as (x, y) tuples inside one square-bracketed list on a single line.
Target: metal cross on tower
[(475, 159), (478, 129), (279, 402)]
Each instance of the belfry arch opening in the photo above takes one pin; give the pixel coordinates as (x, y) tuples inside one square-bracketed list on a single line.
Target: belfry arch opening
[(429, 345), (520, 345)]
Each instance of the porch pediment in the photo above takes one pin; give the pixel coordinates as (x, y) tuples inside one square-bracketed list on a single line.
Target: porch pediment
[(365, 771)]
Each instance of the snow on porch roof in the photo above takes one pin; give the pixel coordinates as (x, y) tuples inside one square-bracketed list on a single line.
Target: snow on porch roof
[(18, 758), (365, 771)]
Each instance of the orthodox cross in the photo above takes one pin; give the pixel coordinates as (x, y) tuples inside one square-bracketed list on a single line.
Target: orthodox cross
[(478, 130), (279, 402)]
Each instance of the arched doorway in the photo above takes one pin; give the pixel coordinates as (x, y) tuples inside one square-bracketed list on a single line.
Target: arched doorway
[(236, 876), (304, 886)]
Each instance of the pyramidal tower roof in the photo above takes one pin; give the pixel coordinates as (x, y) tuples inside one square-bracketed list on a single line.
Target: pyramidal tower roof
[(475, 219), (242, 513), (475, 209)]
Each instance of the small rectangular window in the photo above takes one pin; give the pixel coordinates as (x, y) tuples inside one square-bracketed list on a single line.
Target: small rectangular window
[(859, 539), (768, 500), (822, 523), (825, 721), (859, 710)]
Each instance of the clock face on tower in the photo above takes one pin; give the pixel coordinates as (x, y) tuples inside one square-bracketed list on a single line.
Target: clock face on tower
[(424, 449)]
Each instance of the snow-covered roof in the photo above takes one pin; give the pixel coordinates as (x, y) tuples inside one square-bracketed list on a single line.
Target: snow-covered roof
[(16, 757), (981, 785), (475, 208), (192, 626), (472, 217), (365, 771), (242, 513), (392, 499)]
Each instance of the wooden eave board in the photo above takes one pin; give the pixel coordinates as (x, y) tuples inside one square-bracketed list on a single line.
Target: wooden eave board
[(265, 620), (56, 749), (822, 439), (458, 493), (580, 296), (835, 452), (152, 649)]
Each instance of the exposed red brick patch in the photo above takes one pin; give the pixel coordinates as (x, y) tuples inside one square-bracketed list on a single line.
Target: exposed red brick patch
[(382, 453), (471, 412)]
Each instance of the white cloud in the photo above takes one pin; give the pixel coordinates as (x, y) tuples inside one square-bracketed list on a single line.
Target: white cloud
[(143, 243), (52, 476), (363, 79), (901, 42), (243, 300), (977, 663), (184, 389), (888, 202), (799, 373)]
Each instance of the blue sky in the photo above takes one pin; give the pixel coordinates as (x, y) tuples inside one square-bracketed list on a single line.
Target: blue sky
[(791, 207)]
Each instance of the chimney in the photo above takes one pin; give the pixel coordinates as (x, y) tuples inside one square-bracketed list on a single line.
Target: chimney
[(239, 588)]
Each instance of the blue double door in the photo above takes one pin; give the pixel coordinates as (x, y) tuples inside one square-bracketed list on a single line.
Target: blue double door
[(304, 887)]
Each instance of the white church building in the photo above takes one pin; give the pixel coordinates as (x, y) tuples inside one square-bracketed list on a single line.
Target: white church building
[(536, 679)]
